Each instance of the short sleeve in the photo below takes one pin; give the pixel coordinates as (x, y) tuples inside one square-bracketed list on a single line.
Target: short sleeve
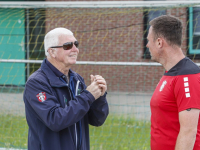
[(187, 91)]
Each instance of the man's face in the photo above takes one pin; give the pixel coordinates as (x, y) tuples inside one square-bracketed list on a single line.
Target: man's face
[(66, 57), (152, 45)]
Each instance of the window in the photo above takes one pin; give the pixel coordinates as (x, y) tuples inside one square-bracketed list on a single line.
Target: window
[(148, 16), (194, 33)]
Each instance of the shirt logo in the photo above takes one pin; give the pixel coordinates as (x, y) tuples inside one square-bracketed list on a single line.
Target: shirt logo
[(41, 96), (186, 85), (163, 85)]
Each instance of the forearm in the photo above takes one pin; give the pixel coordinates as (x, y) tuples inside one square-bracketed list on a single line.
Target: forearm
[(98, 112), (185, 140)]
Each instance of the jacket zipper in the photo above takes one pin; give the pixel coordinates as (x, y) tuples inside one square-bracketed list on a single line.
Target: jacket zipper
[(76, 93), (71, 99), (75, 123)]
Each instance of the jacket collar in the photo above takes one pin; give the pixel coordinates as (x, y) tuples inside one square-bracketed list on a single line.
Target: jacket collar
[(54, 69), (53, 79)]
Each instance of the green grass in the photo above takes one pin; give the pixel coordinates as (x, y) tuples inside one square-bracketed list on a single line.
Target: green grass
[(13, 131), (117, 133)]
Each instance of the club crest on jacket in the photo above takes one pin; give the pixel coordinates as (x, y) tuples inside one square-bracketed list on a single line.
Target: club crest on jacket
[(41, 96)]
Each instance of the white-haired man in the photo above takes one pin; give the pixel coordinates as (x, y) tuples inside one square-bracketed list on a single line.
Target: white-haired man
[(59, 107)]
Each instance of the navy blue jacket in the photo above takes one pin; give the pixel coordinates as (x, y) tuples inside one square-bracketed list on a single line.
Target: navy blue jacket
[(55, 117)]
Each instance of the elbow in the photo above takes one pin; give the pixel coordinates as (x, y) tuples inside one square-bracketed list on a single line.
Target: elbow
[(54, 128), (55, 125), (194, 132), (99, 121), (189, 132)]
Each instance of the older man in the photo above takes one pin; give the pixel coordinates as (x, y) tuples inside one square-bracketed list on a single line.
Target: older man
[(59, 107)]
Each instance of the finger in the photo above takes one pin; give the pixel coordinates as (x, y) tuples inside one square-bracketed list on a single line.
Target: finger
[(92, 78), (98, 77), (99, 89), (102, 86), (95, 84), (103, 89), (101, 81)]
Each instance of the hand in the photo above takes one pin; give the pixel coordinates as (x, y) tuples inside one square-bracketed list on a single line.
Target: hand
[(94, 88), (101, 81)]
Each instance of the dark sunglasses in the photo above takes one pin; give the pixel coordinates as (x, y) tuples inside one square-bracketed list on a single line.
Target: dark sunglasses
[(68, 45)]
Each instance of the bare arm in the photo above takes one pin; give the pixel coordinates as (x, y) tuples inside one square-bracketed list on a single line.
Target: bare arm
[(188, 129)]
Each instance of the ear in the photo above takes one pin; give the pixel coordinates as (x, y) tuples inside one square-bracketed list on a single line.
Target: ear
[(52, 52), (160, 42)]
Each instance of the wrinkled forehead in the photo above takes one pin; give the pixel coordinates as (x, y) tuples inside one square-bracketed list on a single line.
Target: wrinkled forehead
[(63, 38)]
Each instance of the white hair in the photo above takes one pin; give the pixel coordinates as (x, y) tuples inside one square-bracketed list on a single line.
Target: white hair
[(52, 38)]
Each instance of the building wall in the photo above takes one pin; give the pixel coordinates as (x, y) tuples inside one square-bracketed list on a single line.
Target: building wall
[(113, 34)]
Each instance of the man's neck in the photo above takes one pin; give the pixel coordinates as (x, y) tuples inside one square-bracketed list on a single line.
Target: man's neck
[(172, 57), (60, 66)]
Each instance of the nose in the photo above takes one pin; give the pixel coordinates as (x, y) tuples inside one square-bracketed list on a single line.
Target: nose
[(74, 48), (147, 45)]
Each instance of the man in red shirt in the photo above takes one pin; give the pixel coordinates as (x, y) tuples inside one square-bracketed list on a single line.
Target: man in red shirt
[(175, 104)]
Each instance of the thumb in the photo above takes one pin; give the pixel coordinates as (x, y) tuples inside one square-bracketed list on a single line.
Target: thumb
[(92, 78)]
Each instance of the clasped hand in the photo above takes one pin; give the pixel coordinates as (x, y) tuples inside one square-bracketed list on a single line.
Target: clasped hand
[(98, 86)]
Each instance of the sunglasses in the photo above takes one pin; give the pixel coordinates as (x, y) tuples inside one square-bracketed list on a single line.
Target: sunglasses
[(68, 45)]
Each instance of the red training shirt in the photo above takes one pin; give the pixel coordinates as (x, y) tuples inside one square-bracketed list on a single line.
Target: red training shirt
[(178, 90)]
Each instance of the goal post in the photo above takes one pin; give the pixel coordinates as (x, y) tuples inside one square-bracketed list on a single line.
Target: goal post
[(112, 37), (97, 4)]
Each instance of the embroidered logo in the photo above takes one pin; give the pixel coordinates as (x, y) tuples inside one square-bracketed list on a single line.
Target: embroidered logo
[(186, 85), (163, 85), (41, 96), (65, 99), (79, 92)]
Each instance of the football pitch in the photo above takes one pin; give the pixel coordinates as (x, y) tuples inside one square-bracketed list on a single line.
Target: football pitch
[(118, 133), (126, 128)]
